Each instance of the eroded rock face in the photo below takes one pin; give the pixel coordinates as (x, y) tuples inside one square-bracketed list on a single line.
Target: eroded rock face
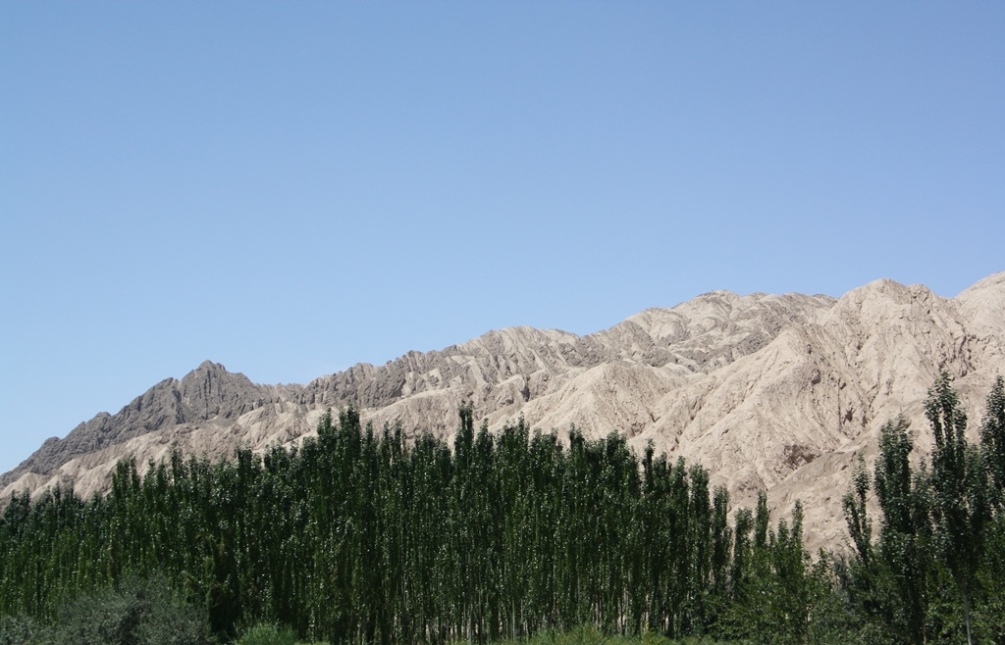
[(769, 392)]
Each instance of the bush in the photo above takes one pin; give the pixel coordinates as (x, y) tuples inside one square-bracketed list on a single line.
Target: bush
[(138, 612), (16, 630), (267, 634)]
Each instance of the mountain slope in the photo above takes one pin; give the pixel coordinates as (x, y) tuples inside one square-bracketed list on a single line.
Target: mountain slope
[(770, 392)]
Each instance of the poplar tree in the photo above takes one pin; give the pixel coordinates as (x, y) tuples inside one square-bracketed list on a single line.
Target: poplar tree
[(993, 439), (961, 504), (903, 533)]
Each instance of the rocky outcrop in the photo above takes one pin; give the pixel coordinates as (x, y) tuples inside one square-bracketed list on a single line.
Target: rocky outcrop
[(770, 392), (207, 394)]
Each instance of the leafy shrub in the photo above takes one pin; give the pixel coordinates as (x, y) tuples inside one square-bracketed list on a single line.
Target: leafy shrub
[(16, 630), (138, 612), (268, 634)]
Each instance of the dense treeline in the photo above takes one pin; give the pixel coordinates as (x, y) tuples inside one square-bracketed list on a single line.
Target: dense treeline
[(359, 536), (362, 537)]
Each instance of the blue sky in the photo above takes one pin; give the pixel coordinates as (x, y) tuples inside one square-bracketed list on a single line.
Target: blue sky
[(291, 188)]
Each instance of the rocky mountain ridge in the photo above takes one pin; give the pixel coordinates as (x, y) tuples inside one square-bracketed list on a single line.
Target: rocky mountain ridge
[(769, 392)]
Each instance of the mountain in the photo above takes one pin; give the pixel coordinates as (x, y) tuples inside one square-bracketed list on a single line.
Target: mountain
[(769, 392)]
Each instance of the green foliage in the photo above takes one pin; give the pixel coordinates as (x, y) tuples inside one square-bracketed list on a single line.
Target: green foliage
[(935, 574), (17, 629), (905, 536), (267, 634), (961, 504), (139, 612), (993, 440), (359, 536)]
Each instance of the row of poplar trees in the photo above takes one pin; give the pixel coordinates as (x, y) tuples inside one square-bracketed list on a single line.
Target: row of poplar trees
[(366, 537)]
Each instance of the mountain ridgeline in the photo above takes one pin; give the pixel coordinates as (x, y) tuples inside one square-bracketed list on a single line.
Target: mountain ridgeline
[(771, 393)]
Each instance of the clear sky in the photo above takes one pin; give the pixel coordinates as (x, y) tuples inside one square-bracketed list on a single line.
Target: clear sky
[(289, 188)]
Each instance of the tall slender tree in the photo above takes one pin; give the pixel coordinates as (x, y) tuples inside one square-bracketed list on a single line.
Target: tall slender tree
[(993, 439), (961, 504)]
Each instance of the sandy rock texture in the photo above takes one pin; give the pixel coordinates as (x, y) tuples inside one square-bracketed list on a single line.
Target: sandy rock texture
[(769, 392)]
